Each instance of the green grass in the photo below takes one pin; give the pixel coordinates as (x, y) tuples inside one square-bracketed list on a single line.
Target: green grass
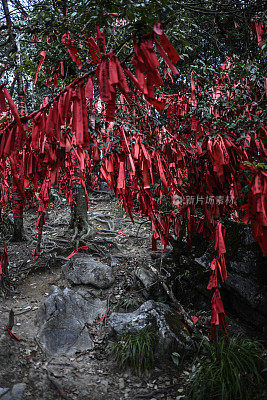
[(131, 302), (136, 350), (229, 370)]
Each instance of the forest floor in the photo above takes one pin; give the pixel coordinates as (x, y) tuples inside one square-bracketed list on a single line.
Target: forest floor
[(93, 371)]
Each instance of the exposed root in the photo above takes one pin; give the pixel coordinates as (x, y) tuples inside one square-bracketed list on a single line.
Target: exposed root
[(74, 237), (88, 231), (111, 224)]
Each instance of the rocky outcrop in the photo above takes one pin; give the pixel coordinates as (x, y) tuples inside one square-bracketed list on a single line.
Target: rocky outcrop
[(64, 318)]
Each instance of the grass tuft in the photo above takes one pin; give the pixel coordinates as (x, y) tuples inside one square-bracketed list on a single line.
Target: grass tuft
[(229, 370), (136, 350)]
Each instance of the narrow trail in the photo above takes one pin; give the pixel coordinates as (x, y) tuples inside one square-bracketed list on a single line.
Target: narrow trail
[(91, 374)]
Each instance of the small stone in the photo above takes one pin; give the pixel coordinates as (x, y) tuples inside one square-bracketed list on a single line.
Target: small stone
[(121, 384), (18, 390), (104, 385), (147, 277)]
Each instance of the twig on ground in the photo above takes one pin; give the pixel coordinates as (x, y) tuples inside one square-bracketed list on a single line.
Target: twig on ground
[(170, 294), (58, 386)]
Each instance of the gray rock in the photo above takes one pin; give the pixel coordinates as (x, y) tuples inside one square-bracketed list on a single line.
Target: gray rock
[(18, 390), (63, 320), (83, 269), (104, 383), (7, 396), (247, 298), (147, 277), (15, 394), (121, 383), (170, 329)]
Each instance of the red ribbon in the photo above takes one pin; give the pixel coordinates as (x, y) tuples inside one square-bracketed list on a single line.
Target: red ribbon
[(9, 329), (76, 251), (39, 66), (103, 316)]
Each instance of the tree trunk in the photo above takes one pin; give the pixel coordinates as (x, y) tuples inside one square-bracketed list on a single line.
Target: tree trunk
[(79, 218), (17, 205)]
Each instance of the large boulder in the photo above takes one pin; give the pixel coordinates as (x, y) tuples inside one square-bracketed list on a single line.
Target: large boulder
[(64, 319), (83, 269), (172, 335)]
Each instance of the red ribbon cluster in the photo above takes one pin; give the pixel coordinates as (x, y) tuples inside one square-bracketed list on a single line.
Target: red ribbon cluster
[(148, 166), (218, 264), (256, 208)]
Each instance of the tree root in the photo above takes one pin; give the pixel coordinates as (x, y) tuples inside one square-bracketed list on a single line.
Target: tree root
[(111, 224), (75, 234), (88, 231), (99, 191)]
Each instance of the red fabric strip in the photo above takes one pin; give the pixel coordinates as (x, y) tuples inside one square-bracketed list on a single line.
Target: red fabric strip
[(169, 49), (39, 66), (3, 107), (166, 58), (76, 251), (100, 40), (9, 329), (94, 50)]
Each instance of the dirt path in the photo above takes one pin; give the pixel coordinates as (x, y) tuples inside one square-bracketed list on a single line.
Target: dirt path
[(117, 241)]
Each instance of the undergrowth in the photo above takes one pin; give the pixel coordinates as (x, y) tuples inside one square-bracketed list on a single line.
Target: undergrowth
[(135, 350), (230, 369)]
